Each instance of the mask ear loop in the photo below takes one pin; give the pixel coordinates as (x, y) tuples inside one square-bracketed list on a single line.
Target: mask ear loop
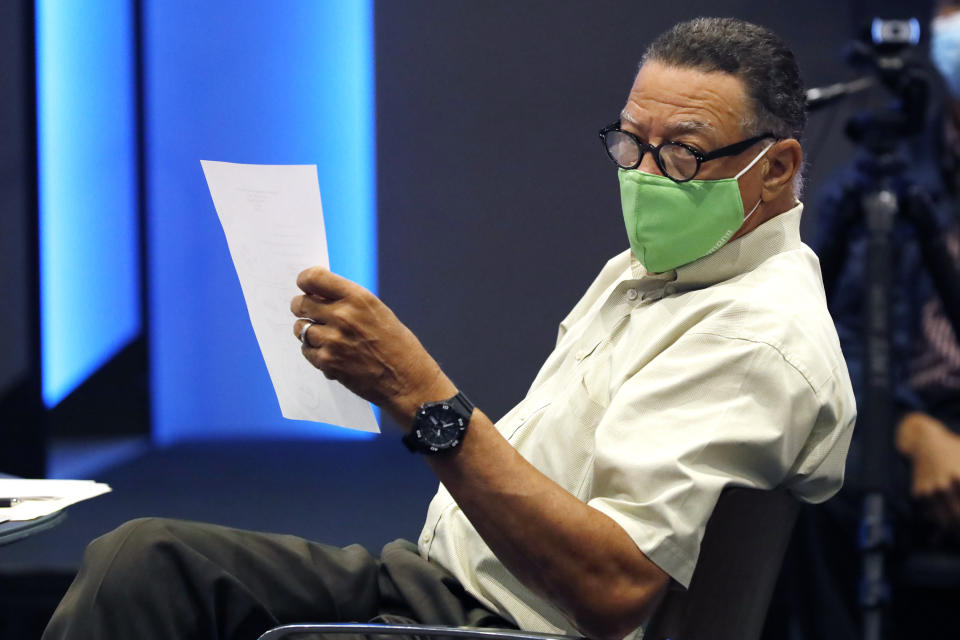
[(755, 207), (754, 161), (747, 168)]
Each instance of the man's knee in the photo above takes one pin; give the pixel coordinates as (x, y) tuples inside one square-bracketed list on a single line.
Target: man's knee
[(135, 553), (138, 534)]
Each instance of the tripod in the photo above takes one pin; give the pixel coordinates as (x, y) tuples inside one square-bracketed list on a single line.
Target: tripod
[(881, 196)]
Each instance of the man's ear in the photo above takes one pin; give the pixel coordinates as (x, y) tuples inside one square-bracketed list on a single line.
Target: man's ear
[(784, 160)]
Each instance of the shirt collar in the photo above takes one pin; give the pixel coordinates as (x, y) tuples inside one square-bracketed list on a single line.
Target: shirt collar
[(780, 233)]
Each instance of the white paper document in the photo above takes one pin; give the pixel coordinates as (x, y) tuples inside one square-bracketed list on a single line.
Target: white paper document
[(273, 219), (36, 498)]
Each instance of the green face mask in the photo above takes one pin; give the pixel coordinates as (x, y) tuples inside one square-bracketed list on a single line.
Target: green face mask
[(674, 223)]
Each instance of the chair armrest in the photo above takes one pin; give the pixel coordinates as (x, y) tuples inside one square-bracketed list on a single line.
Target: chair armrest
[(461, 633)]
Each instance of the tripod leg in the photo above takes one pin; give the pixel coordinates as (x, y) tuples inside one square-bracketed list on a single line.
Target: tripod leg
[(880, 207), (840, 211)]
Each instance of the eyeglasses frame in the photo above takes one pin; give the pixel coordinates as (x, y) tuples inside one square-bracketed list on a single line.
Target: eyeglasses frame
[(723, 152)]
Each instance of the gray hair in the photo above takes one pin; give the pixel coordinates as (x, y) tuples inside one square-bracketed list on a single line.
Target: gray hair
[(755, 55)]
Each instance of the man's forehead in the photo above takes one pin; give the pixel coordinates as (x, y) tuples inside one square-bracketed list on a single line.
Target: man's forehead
[(684, 99)]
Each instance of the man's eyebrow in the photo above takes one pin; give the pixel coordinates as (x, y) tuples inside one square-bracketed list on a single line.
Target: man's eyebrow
[(688, 126), (677, 128), (624, 115)]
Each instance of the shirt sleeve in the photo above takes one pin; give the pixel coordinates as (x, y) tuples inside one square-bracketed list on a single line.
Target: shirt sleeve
[(708, 412)]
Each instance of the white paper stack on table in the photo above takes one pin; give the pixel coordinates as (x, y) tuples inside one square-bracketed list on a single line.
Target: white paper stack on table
[(273, 219), (36, 498)]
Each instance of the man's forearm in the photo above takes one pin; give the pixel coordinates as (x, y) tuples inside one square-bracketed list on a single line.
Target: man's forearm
[(569, 553)]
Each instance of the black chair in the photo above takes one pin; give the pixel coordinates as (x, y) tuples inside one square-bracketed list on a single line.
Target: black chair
[(740, 558)]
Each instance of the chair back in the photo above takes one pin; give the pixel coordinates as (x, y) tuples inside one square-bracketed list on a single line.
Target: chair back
[(740, 558)]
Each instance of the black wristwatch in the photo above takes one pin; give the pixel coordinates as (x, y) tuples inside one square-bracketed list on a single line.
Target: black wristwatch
[(439, 426)]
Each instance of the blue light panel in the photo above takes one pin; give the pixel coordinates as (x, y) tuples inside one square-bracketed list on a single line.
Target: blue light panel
[(89, 252), (258, 82)]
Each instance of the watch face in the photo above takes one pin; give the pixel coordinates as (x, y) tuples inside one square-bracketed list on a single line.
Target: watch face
[(440, 427)]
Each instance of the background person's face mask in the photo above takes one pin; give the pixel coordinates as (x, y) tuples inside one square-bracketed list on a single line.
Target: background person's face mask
[(945, 49), (671, 224)]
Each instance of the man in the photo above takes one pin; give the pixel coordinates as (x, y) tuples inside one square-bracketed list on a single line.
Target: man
[(703, 357), (823, 572)]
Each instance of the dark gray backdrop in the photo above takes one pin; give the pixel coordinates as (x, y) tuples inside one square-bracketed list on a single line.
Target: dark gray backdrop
[(21, 432), (496, 205), (15, 200)]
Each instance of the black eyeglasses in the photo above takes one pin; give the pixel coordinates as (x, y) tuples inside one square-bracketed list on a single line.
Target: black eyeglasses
[(677, 161)]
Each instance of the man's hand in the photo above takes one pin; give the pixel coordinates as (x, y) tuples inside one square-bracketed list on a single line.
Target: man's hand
[(934, 452), (359, 342)]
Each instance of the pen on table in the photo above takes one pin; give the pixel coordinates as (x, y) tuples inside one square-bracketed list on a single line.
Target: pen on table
[(14, 501)]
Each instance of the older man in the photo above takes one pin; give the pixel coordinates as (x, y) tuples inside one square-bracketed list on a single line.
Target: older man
[(702, 357)]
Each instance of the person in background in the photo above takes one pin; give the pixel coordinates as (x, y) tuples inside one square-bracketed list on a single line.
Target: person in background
[(818, 591)]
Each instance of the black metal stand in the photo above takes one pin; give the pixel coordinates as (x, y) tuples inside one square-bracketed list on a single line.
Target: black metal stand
[(875, 199), (880, 208), (880, 197)]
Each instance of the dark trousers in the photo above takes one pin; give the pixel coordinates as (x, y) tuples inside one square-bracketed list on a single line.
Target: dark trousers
[(159, 578)]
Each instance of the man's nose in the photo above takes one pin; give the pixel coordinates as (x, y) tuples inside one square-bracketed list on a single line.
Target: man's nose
[(648, 164)]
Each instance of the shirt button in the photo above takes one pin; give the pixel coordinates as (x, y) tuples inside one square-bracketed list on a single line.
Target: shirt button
[(425, 538), (581, 354), (632, 294)]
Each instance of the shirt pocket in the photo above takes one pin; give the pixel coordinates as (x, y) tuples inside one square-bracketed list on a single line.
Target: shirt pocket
[(561, 441), (525, 419), (595, 378)]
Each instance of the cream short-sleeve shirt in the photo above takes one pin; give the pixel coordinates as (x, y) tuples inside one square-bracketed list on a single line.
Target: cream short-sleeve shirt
[(662, 390)]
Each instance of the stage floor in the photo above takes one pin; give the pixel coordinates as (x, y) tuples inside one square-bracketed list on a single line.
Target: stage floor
[(339, 492)]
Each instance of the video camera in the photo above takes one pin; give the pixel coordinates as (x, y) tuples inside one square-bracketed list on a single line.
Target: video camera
[(886, 52)]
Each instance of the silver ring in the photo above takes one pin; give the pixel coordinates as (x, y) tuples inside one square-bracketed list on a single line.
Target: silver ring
[(303, 332)]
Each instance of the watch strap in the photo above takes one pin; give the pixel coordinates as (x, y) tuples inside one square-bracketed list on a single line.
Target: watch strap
[(409, 440), (461, 404)]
